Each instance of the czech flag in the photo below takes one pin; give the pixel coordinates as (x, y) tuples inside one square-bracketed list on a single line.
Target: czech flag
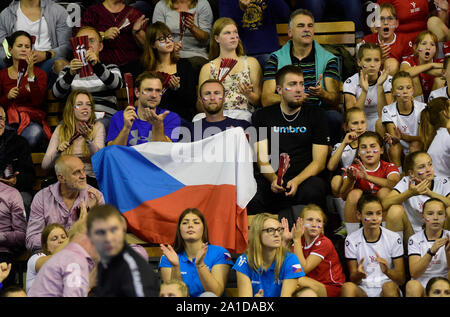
[(153, 183)]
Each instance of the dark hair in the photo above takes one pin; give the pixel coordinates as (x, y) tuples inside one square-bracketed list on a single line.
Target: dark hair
[(401, 74), (429, 201), (178, 244), (365, 199), (102, 212), (11, 40), (208, 81), (147, 75), (431, 282), (300, 12), (410, 159), (288, 69), (46, 232), (369, 46), (11, 289), (431, 119)]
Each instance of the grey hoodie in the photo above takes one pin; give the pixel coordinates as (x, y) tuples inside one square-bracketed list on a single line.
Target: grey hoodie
[(56, 17)]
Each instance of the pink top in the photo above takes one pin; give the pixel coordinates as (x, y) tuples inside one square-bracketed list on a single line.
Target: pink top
[(65, 274), (98, 143), (13, 222), (48, 207)]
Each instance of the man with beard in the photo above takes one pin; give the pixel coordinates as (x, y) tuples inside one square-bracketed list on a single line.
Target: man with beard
[(146, 122), (212, 94), (320, 69), (299, 130), (61, 202)]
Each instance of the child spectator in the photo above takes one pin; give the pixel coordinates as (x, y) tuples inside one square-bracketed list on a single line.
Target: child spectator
[(369, 173), (316, 252), (344, 153), (374, 255), (160, 56), (395, 46), (412, 16), (404, 204), (267, 268), (428, 250), (424, 68), (173, 288), (434, 130), (243, 83), (439, 23), (23, 102), (401, 119), (201, 266), (370, 89), (78, 134)]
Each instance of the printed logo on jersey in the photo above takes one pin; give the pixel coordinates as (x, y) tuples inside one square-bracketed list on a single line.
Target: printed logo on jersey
[(399, 241), (411, 242), (289, 129), (242, 261), (227, 256), (296, 268), (348, 81), (318, 243), (414, 9)]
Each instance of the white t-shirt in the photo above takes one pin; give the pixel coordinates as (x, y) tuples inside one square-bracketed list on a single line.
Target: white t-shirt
[(441, 92), (351, 86), (389, 246), (414, 205), (347, 155), (418, 244), (31, 269), (439, 152), (38, 28), (409, 124)]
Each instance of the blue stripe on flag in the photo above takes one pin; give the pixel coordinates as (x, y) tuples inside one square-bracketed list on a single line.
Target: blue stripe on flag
[(120, 168)]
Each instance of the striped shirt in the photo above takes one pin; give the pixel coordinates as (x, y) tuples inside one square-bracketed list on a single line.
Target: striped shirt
[(308, 66), (102, 85)]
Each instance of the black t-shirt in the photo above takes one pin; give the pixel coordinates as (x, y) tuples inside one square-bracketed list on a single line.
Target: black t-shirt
[(296, 137), (201, 129)]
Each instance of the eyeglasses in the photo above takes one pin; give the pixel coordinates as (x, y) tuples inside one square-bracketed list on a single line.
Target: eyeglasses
[(164, 38), (271, 231)]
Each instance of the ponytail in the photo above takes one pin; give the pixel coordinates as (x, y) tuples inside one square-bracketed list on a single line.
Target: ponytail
[(431, 119)]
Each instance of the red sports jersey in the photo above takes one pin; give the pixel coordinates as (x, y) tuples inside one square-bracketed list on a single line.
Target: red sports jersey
[(412, 16), (446, 48), (425, 79), (383, 170), (400, 47), (329, 271)]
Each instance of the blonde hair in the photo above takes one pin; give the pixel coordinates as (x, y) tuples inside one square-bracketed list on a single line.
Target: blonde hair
[(181, 286), (254, 251), (219, 25), (314, 207), (170, 3), (68, 126), (431, 119)]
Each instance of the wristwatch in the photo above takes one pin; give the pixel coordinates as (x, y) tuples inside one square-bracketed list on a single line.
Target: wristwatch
[(431, 253), (48, 55)]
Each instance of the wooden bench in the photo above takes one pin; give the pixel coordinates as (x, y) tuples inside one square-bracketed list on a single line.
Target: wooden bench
[(342, 32)]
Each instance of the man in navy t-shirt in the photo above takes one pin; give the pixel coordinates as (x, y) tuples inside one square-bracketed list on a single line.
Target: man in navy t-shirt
[(146, 122), (212, 95)]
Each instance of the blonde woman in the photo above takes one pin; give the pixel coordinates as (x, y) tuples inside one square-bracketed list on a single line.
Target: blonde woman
[(267, 268), (78, 134), (243, 83)]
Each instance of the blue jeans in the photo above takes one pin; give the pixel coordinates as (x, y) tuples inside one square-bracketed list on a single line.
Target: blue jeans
[(34, 134), (352, 11), (47, 67)]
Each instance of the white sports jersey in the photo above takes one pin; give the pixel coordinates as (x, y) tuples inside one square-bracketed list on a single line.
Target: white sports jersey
[(351, 86), (414, 205), (409, 124), (441, 92), (439, 152), (419, 244), (347, 156), (389, 246)]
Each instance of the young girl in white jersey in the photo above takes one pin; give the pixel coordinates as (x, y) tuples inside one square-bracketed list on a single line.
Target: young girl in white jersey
[(434, 130), (404, 204), (370, 89), (401, 119), (429, 249), (374, 255), (343, 153)]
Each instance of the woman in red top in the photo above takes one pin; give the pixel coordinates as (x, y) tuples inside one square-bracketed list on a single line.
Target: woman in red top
[(23, 100), (316, 252), (122, 29)]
